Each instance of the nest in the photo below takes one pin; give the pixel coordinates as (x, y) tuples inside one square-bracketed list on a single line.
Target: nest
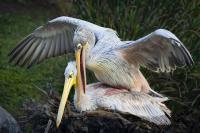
[(40, 118)]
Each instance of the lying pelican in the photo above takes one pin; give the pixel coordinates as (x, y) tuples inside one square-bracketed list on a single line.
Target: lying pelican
[(114, 62), (99, 95)]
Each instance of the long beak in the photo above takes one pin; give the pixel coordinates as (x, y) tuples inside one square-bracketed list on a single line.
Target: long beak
[(81, 70), (69, 82)]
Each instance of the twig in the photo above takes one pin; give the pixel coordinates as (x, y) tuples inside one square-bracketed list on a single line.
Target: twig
[(122, 118), (177, 101), (48, 126), (195, 100), (41, 90), (108, 114)]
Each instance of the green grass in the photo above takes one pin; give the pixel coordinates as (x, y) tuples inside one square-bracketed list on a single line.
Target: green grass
[(17, 84)]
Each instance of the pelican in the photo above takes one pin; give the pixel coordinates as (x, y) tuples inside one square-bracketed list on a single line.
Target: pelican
[(99, 95), (113, 61)]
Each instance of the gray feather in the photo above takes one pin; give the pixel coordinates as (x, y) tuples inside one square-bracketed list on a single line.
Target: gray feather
[(45, 50), (62, 29), (161, 50)]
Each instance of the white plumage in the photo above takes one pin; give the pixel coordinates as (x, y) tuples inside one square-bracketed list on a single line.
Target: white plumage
[(99, 95)]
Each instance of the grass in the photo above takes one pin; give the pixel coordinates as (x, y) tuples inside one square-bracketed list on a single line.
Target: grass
[(17, 84), (131, 19)]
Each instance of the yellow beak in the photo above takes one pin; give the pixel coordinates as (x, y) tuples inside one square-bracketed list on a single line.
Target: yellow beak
[(69, 82), (81, 69)]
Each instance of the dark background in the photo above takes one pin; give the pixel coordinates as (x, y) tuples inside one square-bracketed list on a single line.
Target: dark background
[(131, 19)]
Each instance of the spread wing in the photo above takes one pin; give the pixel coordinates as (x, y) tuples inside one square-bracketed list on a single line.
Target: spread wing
[(52, 39), (138, 104), (159, 51)]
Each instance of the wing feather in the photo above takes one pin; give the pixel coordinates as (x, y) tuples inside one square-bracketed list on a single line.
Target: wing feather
[(28, 55), (14, 54), (138, 104), (65, 41), (44, 54), (56, 45), (37, 53), (159, 51), (22, 44), (62, 41), (20, 57), (52, 47), (57, 35)]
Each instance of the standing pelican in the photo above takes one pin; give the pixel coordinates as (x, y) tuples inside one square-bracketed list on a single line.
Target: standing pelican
[(99, 95), (114, 62)]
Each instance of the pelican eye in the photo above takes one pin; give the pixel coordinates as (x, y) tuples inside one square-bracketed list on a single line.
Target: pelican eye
[(79, 46), (71, 74)]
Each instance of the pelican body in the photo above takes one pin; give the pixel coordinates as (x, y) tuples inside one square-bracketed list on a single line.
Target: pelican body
[(113, 61), (99, 95)]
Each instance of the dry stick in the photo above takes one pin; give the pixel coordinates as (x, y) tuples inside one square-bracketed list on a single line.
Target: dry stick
[(195, 100), (181, 103), (108, 114), (122, 118), (48, 126), (41, 90)]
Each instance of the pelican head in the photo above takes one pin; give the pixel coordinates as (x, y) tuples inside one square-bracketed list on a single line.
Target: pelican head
[(70, 70), (84, 36), (84, 40), (70, 80)]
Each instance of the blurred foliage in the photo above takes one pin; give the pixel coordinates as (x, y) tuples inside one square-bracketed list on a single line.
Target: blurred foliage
[(19, 1), (132, 19)]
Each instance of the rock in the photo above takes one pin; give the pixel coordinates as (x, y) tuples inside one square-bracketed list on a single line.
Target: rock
[(7, 123)]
